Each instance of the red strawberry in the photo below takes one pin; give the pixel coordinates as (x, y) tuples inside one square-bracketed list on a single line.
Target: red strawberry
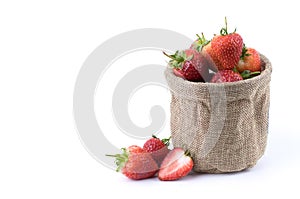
[(250, 60), (215, 64), (204, 46), (226, 76), (178, 73), (227, 48), (135, 149), (190, 63), (199, 43), (157, 148), (135, 163), (177, 164)]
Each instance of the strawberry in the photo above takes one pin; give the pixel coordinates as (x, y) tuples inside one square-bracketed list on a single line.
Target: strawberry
[(226, 76), (204, 45), (178, 73), (177, 164), (135, 149), (135, 163), (200, 42), (157, 148), (190, 63), (215, 64), (250, 60), (227, 48)]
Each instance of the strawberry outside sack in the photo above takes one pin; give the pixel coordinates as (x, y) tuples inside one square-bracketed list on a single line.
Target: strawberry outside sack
[(223, 125)]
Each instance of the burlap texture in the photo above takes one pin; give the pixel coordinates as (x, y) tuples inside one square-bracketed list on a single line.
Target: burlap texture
[(223, 125)]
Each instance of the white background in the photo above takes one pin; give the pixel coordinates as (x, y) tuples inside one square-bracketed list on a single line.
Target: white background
[(42, 48)]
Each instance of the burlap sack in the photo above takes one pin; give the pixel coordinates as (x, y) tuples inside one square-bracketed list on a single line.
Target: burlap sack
[(223, 125)]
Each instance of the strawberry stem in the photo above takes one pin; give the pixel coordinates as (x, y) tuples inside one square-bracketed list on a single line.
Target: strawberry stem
[(246, 74), (187, 153), (167, 55), (120, 159), (226, 25), (154, 136), (244, 52), (166, 141), (224, 31), (235, 70), (178, 59), (201, 42)]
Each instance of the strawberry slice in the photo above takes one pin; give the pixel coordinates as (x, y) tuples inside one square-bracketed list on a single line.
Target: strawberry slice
[(176, 165)]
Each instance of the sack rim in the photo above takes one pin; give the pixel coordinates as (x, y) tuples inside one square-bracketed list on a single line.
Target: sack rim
[(264, 74)]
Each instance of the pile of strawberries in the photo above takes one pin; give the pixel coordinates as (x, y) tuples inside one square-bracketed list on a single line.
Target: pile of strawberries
[(140, 163), (223, 59)]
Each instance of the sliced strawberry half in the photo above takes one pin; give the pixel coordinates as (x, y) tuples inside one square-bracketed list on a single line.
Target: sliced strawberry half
[(176, 165)]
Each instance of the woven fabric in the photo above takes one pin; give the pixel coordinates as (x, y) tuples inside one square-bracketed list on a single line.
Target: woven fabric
[(223, 125)]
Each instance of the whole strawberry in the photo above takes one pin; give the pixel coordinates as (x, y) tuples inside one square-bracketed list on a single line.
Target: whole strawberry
[(135, 149), (226, 76), (199, 43), (135, 163), (176, 165), (190, 64), (250, 60), (157, 148), (228, 48), (178, 73), (203, 45), (215, 64)]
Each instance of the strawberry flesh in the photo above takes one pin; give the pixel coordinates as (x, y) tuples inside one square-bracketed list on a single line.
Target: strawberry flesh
[(175, 166)]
